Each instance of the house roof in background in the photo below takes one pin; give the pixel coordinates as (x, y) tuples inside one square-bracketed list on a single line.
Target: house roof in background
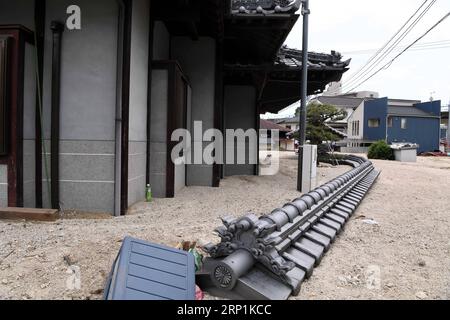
[(338, 101), (409, 112), (269, 125), (403, 102), (264, 7), (286, 120), (288, 57)]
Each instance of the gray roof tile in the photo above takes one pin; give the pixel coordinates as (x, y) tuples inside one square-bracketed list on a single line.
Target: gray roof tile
[(341, 101), (408, 112)]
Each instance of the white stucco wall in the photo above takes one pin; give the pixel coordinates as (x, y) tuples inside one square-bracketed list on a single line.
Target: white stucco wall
[(198, 62), (357, 115), (240, 113), (161, 42), (88, 104), (138, 101)]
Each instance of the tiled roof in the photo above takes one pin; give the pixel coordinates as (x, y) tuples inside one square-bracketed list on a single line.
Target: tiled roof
[(293, 58), (287, 120), (269, 125), (264, 7), (408, 112)]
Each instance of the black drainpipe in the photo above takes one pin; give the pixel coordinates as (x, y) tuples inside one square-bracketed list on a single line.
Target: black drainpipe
[(57, 29), (126, 65)]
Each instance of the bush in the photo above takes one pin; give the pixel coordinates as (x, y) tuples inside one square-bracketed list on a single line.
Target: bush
[(381, 150)]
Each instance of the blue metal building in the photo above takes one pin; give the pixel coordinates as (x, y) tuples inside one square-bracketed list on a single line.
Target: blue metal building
[(397, 121)]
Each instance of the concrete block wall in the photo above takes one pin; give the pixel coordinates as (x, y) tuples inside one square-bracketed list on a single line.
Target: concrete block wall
[(161, 42), (137, 156), (29, 129), (3, 186)]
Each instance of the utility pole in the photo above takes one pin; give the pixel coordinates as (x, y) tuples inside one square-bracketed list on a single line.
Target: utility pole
[(304, 92)]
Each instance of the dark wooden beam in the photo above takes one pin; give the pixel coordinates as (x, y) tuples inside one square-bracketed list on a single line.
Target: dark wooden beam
[(218, 108), (57, 29), (29, 214), (126, 67), (39, 18)]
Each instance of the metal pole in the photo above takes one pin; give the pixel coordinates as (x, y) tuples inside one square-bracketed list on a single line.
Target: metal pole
[(304, 92)]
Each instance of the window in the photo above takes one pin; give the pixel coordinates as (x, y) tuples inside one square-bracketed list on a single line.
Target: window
[(374, 123), (390, 122), (404, 123), (355, 128)]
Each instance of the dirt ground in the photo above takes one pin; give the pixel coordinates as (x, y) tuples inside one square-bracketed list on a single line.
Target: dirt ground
[(404, 253)]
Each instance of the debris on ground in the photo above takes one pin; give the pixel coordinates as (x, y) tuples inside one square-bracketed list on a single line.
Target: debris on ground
[(370, 221), (421, 295)]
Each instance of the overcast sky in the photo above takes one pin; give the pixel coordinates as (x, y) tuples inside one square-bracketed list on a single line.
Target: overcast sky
[(354, 25)]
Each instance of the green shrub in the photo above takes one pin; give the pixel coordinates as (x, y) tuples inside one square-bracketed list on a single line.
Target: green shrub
[(381, 150), (324, 156)]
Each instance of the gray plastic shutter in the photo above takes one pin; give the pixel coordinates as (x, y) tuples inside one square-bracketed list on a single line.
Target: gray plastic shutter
[(148, 271)]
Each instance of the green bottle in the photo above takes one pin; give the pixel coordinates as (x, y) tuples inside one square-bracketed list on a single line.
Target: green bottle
[(148, 194)]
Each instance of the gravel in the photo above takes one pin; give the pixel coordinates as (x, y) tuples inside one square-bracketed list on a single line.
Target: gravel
[(405, 256)]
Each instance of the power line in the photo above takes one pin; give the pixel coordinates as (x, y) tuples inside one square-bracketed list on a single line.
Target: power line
[(386, 44), (393, 37), (387, 65), (391, 48), (375, 60), (419, 45)]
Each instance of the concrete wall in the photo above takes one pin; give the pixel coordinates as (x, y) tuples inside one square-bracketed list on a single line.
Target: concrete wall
[(161, 42), (158, 133), (17, 12), (88, 102), (423, 131), (375, 109), (159, 103), (3, 186), (240, 113), (29, 129), (197, 60), (138, 101)]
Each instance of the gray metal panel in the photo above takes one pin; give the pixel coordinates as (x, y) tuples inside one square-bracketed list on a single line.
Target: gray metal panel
[(148, 271)]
